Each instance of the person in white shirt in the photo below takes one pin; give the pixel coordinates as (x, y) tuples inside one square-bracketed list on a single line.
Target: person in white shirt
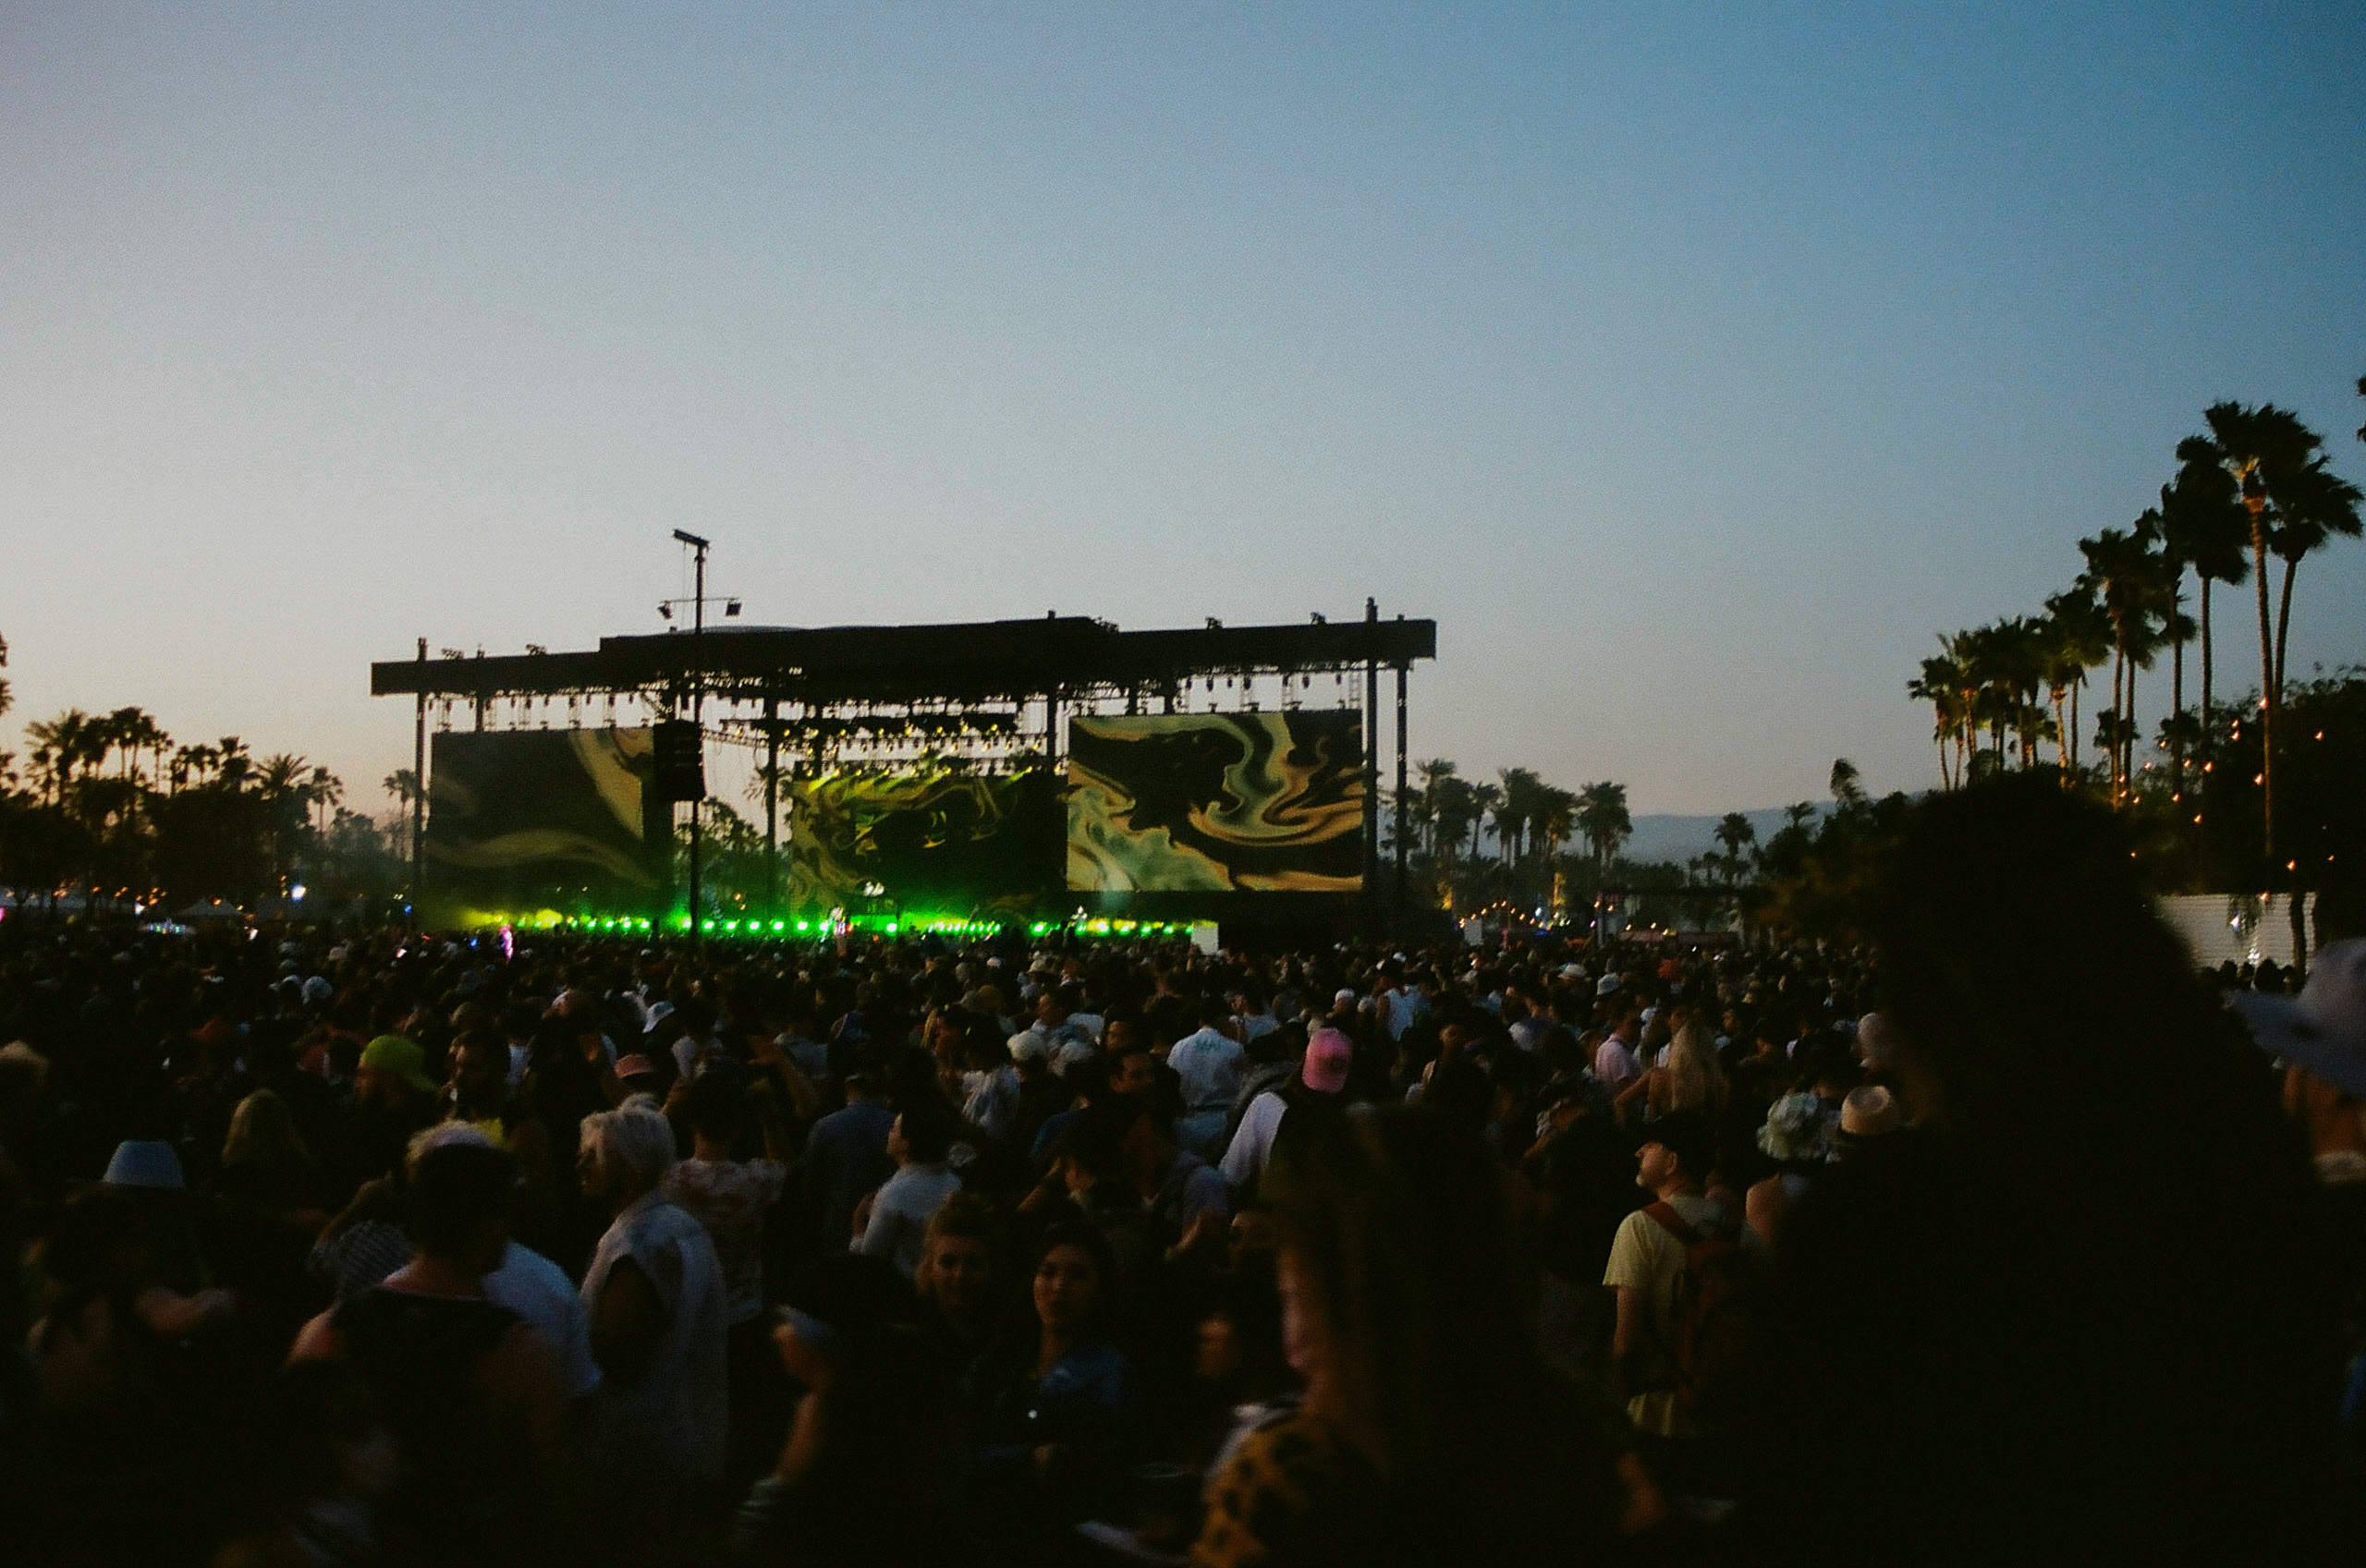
[(1324, 1071), (895, 1225), (655, 1296), (1614, 1063), (1210, 1063)]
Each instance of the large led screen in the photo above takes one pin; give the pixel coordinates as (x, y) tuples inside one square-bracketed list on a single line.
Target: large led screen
[(1216, 803), (931, 841), (524, 820)]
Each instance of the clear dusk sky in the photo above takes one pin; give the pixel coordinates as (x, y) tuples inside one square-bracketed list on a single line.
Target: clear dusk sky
[(1691, 366)]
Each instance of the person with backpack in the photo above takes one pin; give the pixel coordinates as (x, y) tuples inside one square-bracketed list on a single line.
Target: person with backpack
[(1681, 1290)]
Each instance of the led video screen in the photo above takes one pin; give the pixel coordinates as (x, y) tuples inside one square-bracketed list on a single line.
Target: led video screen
[(1216, 803), (525, 820), (932, 840)]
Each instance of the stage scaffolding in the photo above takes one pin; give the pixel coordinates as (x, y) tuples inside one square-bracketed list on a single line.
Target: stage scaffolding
[(993, 694)]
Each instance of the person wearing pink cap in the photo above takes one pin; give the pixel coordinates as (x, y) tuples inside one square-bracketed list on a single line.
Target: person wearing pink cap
[(1319, 1081)]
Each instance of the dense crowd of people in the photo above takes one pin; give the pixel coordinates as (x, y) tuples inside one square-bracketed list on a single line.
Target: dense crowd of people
[(2002, 1237)]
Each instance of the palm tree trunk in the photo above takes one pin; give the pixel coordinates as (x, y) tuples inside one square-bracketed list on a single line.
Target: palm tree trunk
[(2176, 721), (2118, 713), (2282, 625), (2071, 738), (2269, 698), (2293, 897), (2205, 658), (2128, 736)]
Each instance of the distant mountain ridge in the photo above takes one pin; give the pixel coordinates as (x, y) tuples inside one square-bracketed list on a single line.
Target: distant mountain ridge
[(1661, 836)]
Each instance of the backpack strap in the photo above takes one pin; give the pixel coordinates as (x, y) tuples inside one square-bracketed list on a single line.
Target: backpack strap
[(1663, 1213)]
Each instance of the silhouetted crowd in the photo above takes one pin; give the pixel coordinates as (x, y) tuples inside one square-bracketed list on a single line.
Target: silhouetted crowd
[(2004, 1236)]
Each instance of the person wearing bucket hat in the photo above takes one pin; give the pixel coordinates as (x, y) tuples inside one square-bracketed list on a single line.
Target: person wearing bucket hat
[(148, 1163), (2321, 1037)]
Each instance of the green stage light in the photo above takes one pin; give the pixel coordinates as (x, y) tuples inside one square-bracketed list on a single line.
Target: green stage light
[(780, 925), (804, 925)]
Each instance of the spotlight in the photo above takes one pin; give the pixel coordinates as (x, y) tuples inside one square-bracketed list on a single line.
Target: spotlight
[(731, 607), (666, 611)]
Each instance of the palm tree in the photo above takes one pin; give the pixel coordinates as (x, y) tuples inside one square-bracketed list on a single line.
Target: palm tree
[(2267, 451), (2203, 514), (1602, 818), (2078, 638), (1433, 774), (1557, 818), (1846, 785), (1735, 834), (1941, 685), (1516, 811), (2316, 505), (63, 746), (2122, 571), (324, 791), (403, 784), (1485, 798)]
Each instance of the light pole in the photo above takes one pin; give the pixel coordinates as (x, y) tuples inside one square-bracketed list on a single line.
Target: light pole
[(699, 548)]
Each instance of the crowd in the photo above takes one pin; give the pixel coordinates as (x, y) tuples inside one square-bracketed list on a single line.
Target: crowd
[(2002, 1237)]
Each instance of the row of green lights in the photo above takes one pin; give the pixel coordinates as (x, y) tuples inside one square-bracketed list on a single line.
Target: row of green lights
[(551, 921)]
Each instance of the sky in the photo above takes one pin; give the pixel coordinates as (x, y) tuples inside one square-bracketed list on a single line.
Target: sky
[(1690, 366)]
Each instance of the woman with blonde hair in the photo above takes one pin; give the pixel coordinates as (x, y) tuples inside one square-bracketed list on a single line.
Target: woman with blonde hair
[(1690, 1079), (266, 1153)]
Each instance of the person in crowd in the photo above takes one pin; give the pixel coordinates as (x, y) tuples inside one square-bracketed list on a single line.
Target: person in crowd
[(846, 1160), (659, 1310), (1210, 1064), (1656, 1262), (1313, 1091), (864, 1476), (1689, 1079), (1430, 1431), (958, 1283), (2101, 1183), (896, 1225), (1615, 1063), (471, 1392), (1053, 1414)]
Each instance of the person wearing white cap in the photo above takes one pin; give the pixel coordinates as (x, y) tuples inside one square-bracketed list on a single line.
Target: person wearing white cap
[(2321, 1037)]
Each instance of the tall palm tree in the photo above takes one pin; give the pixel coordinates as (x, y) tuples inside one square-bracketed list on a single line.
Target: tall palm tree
[(2078, 638), (1735, 834), (1516, 811), (1557, 818), (2202, 512), (1433, 774), (1485, 798), (2316, 505), (324, 791), (403, 786), (2266, 450), (1602, 818), (2122, 570), (1941, 685)]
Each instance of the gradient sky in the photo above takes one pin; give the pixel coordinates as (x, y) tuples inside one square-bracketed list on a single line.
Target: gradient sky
[(1690, 365)]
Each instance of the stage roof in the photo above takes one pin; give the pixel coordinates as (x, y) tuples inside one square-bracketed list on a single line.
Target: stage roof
[(967, 662)]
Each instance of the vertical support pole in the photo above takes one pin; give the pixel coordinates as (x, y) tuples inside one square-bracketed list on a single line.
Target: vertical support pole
[(1403, 876), (419, 793), (771, 802), (697, 718), (1372, 768)]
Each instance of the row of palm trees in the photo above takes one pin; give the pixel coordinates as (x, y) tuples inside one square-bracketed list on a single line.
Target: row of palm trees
[(76, 747), (1530, 818), (2252, 496)]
